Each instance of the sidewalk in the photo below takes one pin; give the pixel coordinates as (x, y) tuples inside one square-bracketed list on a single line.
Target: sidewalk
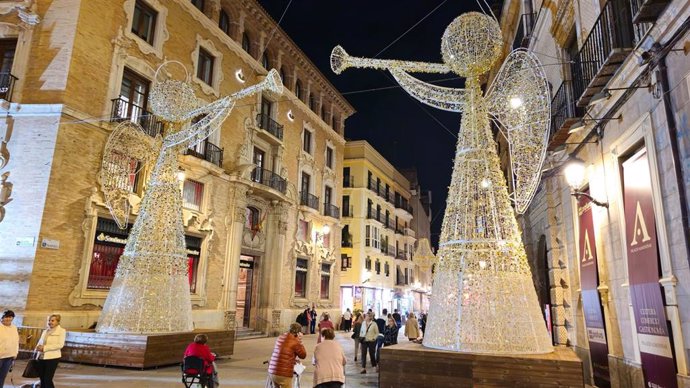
[(243, 369)]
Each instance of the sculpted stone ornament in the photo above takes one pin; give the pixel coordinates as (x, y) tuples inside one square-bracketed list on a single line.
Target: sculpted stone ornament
[(150, 291), (483, 299)]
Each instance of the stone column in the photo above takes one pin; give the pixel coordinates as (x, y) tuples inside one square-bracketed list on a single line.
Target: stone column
[(234, 227), (272, 276)]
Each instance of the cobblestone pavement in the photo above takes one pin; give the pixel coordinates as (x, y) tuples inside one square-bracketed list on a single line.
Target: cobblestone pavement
[(243, 369)]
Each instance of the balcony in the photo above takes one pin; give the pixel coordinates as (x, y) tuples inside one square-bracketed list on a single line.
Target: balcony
[(399, 229), (270, 179), (524, 30), (6, 85), (564, 113), (647, 11), (403, 205), (346, 242), (330, 210), (309, 200), (608, 44), (208, 152), (401, 256), (390, 251), (348, 212), (124, 110), (348, 181), (373, 215), (269, 125)]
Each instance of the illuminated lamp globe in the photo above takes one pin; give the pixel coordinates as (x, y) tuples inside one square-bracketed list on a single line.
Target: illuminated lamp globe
[(471, 44), (575, 173)]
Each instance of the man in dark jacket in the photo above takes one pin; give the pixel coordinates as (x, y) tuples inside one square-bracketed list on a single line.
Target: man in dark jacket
[(397, 318), (381, 323), (288, 347)]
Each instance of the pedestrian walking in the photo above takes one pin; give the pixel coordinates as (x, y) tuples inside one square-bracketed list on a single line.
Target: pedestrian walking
[(390, 333), (422, 322), (329, 362), (412, 328), (381, 325), (398, 318), (347, 321), (49, 350), (325, 324), (367, 337), (287, 349), (9, 344), (355, 333), (312, 322)]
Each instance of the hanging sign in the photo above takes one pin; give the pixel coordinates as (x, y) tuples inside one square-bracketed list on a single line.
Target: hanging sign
[(591, 303), (656, 354)]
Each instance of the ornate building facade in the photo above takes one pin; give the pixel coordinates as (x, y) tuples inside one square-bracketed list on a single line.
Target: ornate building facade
[(378, 241), (609, 251), (257, 194)]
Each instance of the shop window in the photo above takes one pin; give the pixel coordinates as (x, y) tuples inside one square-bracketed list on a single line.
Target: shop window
[(325, 281), (192, 194), (144, 22), (301, 269)]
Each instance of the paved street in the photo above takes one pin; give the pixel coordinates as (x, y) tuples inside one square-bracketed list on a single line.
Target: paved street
[(244, 369)]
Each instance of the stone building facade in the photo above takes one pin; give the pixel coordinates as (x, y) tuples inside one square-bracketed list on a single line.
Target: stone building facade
[(377, 236), (620, 77), (253, 193)]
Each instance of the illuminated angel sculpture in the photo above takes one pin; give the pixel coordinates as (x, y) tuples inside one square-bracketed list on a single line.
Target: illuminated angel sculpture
[(484, 300), (150, 292)]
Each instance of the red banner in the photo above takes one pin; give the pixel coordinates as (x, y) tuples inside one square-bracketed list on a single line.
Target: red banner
[(591, 303), (658, 364)]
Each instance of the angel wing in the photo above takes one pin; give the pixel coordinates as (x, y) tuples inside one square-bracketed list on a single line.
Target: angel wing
[(126, 152), (440, 97), (519, 98)]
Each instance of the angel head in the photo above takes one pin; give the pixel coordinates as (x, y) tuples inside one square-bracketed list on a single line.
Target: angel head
[(471, 44), (171, 99)]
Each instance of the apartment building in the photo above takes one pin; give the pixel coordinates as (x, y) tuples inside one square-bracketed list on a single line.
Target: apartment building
[(255, 192), (607, 232)]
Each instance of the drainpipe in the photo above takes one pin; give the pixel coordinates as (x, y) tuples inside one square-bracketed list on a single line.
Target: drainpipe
[(672, 127)]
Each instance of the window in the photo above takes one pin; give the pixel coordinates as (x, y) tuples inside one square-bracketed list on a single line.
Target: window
[(387, 269), (306, 179), (375, 237), (325, 281), (302, 230), (199, 4), (329, 157), (224, 22), (301, 269), (283, 77), (377, 266), (204, 70), (192, 194), (306, 141), (193, 245), (328, 192), (346, 206), (266, 109), (334, 122), (367, 236), (252, 218), (144, 22), (265, 62), (134, 94), (345, 262), (323, 112), (259, 158), (123, 171), (246, 43), (298, 89), (367, 263), (312, 102)]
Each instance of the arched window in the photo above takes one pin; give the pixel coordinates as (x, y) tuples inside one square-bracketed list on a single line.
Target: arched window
[(253, 221), (334, 122), (246, 43), (283, 77), (224, 22), (323, 112), (265, 62), (312, 102), (298, 89)]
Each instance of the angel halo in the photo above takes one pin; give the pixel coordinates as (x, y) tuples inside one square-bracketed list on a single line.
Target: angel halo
[(483, 298)]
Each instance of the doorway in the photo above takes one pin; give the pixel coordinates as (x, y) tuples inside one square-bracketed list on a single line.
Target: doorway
[(244, 290)]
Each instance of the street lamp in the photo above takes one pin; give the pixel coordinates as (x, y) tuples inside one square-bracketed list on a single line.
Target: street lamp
[(575, 175), (320, 235)]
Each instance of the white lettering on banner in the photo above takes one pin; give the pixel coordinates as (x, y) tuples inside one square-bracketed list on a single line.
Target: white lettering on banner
[(655, 344), (123, 241), (245, 265), (640, 227), (597, 335)]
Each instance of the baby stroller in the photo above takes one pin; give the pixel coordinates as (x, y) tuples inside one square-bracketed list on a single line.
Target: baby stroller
[(194, 373)]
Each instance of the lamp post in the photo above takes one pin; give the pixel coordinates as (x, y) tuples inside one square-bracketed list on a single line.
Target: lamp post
[(575, 175)]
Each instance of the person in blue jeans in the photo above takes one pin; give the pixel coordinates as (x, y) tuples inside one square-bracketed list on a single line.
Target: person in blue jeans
[(381, 323), (9, 344)]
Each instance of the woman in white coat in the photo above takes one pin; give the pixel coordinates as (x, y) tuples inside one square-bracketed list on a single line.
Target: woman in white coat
[(49, 346)]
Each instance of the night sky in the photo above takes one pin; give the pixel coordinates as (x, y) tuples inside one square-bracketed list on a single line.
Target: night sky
[(407, 133)]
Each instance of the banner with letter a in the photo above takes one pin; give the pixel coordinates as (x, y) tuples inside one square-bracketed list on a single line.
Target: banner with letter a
[(656, 354), (591, 303)]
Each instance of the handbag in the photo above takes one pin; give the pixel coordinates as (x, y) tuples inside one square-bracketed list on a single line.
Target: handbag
[(31, 370)]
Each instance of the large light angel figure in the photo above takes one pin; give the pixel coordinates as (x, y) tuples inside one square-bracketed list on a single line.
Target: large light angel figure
[(150, 291), (483, 298)]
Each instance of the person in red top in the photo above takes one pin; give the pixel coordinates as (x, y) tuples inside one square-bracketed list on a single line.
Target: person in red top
[(325, 323), (198, 348), (282, 365)]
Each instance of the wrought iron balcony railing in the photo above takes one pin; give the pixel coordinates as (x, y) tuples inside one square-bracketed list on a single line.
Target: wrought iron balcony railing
[(564, 112), (6, 85), (608, 44), (349, 181), (373, 215), (309, 200), (331, 210), (524, 30), (647, 11), (208, 152), (348, 211), (404, 205), (269, 125), (270, 179), (125, 110)]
